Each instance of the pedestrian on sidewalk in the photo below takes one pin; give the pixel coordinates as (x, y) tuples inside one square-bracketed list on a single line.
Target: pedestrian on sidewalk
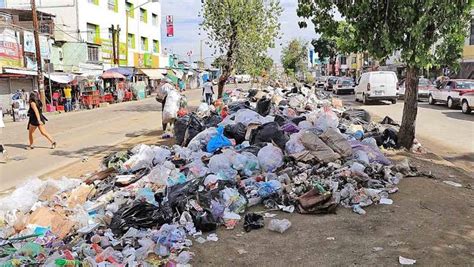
[(37, 120), (68, 95), (208, 91), (3, 151)]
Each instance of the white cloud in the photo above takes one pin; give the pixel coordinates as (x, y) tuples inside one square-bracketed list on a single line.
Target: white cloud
[(186, 28)]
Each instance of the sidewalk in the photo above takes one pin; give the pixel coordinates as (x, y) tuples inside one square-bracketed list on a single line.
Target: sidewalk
[(79, 135)]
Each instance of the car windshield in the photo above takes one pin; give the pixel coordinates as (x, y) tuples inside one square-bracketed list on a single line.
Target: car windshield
[(465, 85), (424, 82)]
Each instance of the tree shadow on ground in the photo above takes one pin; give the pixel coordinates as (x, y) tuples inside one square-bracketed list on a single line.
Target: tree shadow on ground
[(85, 152)]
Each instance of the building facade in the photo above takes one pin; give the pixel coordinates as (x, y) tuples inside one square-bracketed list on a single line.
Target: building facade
[(467, 61), (86, 30)]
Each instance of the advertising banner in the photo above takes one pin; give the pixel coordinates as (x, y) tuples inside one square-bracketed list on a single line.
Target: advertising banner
[(169, 26)]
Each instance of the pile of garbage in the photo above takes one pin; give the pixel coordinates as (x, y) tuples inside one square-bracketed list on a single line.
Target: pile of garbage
[(294, 150)]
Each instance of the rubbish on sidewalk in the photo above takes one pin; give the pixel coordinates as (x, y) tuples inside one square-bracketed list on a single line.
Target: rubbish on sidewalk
[(405, 261), (453, 183), (279, 225), (253, 221)]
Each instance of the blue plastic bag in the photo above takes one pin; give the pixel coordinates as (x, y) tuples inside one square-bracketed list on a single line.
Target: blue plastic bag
[(266, 189), (218, 141)]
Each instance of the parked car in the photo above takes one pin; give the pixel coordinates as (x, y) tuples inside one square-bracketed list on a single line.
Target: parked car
[(330, 83), (467, 101), (321, 81), (424, 87), (244, 78), (377, 85), (449, 92), (343, 86)]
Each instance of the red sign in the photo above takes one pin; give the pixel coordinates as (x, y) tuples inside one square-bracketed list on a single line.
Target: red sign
[(169, 26)]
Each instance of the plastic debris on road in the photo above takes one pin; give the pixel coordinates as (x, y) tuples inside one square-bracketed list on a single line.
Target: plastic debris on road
[(293, 151)]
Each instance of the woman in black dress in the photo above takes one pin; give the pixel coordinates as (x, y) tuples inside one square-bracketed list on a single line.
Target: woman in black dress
[(37, 120)]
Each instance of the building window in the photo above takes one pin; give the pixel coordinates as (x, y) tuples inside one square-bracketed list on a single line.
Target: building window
[(130, 11), (156, 46), (131, 40), (154, 19), (343, 60), (143, 15), (112, 5), (144, 44), (93, 33), (471, 38), (93, 53), (354, 60)]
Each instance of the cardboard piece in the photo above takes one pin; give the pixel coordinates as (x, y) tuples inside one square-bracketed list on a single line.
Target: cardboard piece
[(56, 219)]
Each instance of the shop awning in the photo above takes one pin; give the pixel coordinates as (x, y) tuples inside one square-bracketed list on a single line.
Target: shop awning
[(123, 71), (21, 72), (62, 78), (154, 74), (112, 75)]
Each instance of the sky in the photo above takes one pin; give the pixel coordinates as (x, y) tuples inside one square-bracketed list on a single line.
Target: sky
[(187, 36)]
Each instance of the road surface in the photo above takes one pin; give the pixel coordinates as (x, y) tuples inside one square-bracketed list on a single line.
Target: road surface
[(445, 132), (79, 135)]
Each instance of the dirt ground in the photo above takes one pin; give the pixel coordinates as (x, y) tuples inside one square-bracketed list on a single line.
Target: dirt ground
[(429, 221)]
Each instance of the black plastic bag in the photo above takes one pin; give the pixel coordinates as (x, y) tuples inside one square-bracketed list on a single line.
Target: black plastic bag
[(267, 133), (180, 126), (203, 220), (252, 93), (280, 120), (253, 221), (297, 120), (212, 121), (236, 131), (140, 215), (178, 195), (195, 126), (358, 116), (388, 120), (390, 138), (264, 106), (236, 106), (254, 149)]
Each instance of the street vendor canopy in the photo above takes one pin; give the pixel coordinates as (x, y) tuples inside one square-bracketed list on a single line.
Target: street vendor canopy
[(63, 78), (112, 75), (153, 74)]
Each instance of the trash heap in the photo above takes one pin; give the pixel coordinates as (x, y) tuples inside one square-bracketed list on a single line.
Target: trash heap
[(293, 150)]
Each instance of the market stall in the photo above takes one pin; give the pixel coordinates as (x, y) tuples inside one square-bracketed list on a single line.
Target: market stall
[(56, 82), (114, 87)]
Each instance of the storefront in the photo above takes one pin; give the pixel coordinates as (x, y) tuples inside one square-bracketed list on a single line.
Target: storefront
[(12, 80)]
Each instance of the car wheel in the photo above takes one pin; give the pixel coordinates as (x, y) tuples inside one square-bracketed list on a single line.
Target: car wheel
[(450, 102), (365, 101), (394, 101), (431, 100), (465, 107)]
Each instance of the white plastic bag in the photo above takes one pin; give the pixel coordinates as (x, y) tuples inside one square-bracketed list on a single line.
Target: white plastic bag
[(161, 154), (294, 145), (170, 111), (143, 158), (327, 119), (221, 165), (201, 140), (270, 158), (203, 110)]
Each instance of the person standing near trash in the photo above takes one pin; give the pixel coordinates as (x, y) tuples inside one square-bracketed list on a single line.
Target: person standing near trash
[(67, 94), (37, 120), (208, 92), (3, 151), (162, 94)]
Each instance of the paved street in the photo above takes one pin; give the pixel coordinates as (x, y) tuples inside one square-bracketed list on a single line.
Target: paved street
[(446, 132), (79, 135)]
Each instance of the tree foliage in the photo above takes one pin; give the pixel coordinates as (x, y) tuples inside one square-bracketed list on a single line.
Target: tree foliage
[(240, 30), (294, 57), (426, 33)]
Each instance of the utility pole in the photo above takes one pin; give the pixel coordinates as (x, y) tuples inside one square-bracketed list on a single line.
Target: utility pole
[(39, 62), (118, 45), (200, 54), (113, 45)]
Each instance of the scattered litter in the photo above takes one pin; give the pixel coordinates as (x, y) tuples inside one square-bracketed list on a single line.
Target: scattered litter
[(377, 249), (453, 183), (405, 261), (269, 215), (212, 237), (242, 251), (330, 238), (386, 201), (279, 225)]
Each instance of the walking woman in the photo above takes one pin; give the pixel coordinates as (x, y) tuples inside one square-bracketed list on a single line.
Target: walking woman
[(37, 120)]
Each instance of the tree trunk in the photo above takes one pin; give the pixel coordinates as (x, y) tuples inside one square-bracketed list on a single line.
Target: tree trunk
[(406, 135), (222, 81)]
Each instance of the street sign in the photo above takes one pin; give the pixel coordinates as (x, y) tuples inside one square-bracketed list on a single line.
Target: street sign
[(169, 26)]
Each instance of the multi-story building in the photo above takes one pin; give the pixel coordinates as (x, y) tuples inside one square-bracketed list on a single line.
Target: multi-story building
[(467, 61), (85, 30)]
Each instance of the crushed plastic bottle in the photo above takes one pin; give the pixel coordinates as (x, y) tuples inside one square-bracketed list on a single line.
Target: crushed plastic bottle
[(357, 209)]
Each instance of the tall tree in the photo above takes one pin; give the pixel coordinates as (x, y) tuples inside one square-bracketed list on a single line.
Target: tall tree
[(240, 29), (326, 47), (294, 57), (422, 30)]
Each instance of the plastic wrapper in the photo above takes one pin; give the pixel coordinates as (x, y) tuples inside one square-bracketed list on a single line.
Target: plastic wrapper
[(374, 154), (305, 125), (200, 141), (203, 110), (161, 154), (245, 162), (246, 117), (270, 158), (170, 111), (294, 145), (218, 141), (142, 158), (197, 169), (290, 128), (221, 165), (253, 221), (160, 174), (266, 189), (233, 200), (326, 119), (279, 226)]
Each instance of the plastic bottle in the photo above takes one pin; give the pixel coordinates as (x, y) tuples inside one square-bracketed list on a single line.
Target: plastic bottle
[(357, 209)]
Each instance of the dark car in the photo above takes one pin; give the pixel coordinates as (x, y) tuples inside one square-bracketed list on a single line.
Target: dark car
[(330, 83), (343, 86)]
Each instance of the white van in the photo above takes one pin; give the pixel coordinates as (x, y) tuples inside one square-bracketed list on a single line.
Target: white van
[(377, 85)]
